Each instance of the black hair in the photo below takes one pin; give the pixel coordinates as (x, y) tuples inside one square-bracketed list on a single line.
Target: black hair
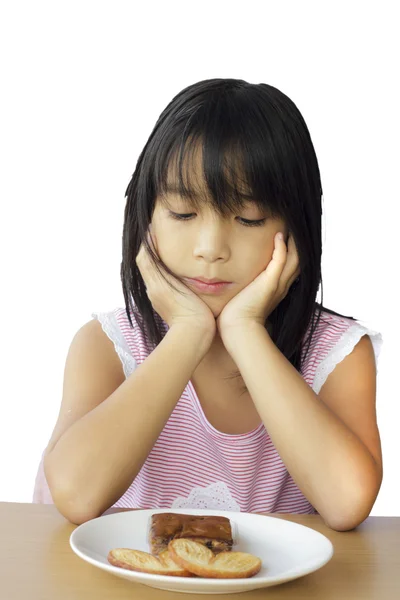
[(252, 135)]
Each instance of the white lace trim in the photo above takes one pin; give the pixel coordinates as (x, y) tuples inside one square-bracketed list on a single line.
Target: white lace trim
[(345, 345), (216, 496), (110, 326)]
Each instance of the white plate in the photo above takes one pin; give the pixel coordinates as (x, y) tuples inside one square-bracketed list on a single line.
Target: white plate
[(287, 550)]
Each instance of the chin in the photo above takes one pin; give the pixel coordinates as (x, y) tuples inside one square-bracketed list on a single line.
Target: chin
[(216, 310)]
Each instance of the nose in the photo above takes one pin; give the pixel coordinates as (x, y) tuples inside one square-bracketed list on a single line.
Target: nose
[(211, 243)]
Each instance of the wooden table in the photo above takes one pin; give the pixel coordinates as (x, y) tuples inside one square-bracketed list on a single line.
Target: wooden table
[(37, 563)]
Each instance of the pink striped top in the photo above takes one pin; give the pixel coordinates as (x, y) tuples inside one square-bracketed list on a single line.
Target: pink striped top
[(192, 464)]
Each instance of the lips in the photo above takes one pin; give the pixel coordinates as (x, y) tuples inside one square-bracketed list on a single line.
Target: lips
[(209, 281), (210, 288)]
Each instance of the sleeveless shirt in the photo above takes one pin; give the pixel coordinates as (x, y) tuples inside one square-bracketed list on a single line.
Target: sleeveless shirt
[(192, 464)]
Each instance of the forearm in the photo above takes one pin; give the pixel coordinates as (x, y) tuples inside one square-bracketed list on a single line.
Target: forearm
[(329, 464), (98, 457)]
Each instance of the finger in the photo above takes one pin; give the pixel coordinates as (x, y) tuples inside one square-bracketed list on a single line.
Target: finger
[(280, 251), (276, 265), (291, 269)]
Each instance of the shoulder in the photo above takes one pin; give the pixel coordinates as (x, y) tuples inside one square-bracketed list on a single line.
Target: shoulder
[(327, 331), (336, 337), (332, 329), (125, 339), (93, 342), (331, 325)]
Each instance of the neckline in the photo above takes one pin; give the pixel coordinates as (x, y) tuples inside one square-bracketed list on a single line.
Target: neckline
[(232, 437)]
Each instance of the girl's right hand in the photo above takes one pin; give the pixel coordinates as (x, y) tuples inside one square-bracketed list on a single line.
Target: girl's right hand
[(173, 308)]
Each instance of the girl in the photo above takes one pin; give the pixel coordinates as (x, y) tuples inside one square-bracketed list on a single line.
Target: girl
[(242, 395)]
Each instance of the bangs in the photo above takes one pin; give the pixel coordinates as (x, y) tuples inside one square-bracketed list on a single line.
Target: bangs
[(223, 161)]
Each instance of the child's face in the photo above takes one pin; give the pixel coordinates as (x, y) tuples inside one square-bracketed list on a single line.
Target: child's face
[(211, 246)]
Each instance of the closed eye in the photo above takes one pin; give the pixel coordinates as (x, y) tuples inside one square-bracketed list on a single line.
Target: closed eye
[(245, 222)]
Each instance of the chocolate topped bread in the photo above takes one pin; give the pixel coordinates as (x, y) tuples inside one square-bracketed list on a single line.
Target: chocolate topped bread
[(213, 532)]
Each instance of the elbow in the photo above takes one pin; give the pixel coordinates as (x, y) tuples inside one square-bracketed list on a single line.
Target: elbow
[(73, 508), (346, 520), (344, 524), (68, 502), (357, 508)]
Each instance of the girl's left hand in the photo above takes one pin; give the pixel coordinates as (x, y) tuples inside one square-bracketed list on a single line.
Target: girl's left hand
[(258, 299)]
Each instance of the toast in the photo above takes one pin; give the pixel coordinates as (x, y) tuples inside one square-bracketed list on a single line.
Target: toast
[(199, 560), (213, 532), (136, 560)]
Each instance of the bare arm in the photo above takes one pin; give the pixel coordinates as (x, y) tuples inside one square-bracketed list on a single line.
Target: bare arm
[(328, 442), (96, 459)]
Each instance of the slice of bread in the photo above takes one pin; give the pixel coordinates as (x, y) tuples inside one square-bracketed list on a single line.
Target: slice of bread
[(136, 560), (201, 561)]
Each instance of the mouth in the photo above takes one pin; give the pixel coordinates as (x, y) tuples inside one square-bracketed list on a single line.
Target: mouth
[(208, 281), (216, 287)]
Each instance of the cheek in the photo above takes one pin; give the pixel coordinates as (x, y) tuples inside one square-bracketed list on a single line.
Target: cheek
[(256, 258), (170, 252)]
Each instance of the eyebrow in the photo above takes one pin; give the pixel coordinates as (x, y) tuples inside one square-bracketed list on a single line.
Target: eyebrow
[(173, 189)]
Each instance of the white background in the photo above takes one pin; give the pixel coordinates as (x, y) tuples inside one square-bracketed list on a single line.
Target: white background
[(83, 84)]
